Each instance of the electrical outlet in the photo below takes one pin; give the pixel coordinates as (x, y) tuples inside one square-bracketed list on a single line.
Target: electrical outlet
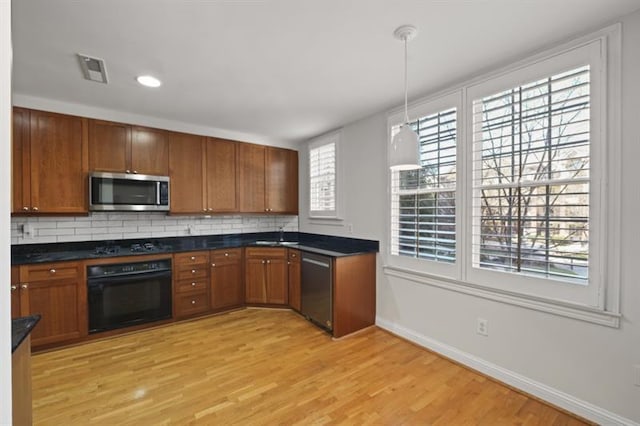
[(191, 230), (636, 374), (482, 327), (27, 231), (350, 227)]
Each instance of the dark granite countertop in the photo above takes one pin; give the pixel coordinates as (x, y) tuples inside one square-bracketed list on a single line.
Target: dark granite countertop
[(20, 329), (322, 244)]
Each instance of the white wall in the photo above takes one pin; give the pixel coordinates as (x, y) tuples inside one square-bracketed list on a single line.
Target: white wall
[(584, 367), (5, 194), (117, 226)]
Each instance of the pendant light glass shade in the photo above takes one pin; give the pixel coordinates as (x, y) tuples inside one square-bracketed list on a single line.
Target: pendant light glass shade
[(405, 150), (404, 153)]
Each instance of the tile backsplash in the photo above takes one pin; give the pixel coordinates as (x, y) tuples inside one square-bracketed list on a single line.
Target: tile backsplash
[(117, 226)]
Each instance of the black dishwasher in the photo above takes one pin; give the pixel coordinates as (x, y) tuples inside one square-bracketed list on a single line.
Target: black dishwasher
[(316, 289)]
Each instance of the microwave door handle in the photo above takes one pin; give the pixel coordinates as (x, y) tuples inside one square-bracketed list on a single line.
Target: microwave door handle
[(158, 193)]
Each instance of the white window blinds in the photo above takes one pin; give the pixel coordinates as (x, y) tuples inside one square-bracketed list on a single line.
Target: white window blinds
[(531, 160), (322, 179), (423, 207)]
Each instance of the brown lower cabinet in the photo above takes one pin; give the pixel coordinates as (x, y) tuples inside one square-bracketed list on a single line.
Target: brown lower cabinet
[(15, 292), (203, 282), (294, 278), (207, 281), (190, 284), (226, 279), (56, 291), (354, 293), (266, 277)]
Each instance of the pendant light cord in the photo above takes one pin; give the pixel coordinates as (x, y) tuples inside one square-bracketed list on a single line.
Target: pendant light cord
[(406, 82)]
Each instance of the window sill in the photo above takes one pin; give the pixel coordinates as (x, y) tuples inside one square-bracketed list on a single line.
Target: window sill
[(333, 218), (596, 316)]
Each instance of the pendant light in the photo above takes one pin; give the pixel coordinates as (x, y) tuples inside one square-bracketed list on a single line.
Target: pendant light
[(405, 147)]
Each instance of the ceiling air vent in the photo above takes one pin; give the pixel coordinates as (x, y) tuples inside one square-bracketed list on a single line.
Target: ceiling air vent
[(93, 68)]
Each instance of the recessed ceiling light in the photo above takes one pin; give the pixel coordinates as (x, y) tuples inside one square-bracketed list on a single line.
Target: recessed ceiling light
[(149, 81)]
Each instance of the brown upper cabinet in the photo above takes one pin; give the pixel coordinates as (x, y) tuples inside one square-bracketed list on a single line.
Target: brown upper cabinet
[(203, 174), (50, 162), (268, 179), (222, 184), (121, 148), (186, 173)]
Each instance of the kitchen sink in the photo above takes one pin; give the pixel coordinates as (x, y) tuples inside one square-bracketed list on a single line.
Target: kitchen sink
[(276, 243)]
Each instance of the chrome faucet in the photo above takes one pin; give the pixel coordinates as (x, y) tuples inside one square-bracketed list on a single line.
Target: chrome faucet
[(281, 233)]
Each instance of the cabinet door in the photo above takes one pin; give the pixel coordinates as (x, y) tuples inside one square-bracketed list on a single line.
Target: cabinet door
[(149, 151), (58, 303), (226, 279), (251, 188), (186, 173), (222, 189), (281, 180), (109, 146), (58, 163), (255, 281), (294, 279), (277, 286), (15, 292), (21, 197)]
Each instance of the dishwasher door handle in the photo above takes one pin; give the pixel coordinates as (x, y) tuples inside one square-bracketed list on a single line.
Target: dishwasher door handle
[(315, 262)]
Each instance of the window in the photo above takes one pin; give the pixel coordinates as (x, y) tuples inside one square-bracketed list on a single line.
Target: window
[(510, 203), (323, 177), (423, 218), (531, 178)]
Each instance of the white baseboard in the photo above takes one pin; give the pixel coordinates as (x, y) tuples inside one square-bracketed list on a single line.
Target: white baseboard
[(518, 381)]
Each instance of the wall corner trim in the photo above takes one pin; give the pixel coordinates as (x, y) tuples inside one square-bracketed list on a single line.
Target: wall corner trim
[(546, 393)]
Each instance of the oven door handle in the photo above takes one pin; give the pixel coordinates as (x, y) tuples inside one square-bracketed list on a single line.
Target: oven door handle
[(121, 279)]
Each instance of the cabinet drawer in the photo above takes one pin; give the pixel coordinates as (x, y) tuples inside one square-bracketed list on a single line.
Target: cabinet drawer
[(192, 273), (265, 252), (192, 286), (50, 271), (294, 255), (187, 304), (224, 255), (191, 258)]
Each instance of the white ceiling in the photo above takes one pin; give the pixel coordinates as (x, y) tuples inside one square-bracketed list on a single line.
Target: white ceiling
[(284, 69)]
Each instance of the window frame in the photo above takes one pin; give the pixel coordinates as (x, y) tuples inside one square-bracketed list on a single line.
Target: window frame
[(442, 103), (330, 138), (602, 304), (588, 294)]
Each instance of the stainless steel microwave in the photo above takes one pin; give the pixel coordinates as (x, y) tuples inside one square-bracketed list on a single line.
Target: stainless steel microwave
[(128, 192)]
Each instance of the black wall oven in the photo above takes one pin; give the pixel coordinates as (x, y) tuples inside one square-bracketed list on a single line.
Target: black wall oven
[(125, 294)]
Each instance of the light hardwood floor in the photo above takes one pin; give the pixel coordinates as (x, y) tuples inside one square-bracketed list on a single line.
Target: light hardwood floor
[(257, 367)]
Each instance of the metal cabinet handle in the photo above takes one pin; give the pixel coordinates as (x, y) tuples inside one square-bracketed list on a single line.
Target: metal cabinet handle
[(263, 262), (14, 287), (127, 171), (193, 302), (226, 254), (193, 271), (193, 284), (24, 286), (204, 210), (288, 263), (25, 208), (210, 210), (268, 261), (53, 271), (193, 258), (213, 265), (35, 209), (135, 172)]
